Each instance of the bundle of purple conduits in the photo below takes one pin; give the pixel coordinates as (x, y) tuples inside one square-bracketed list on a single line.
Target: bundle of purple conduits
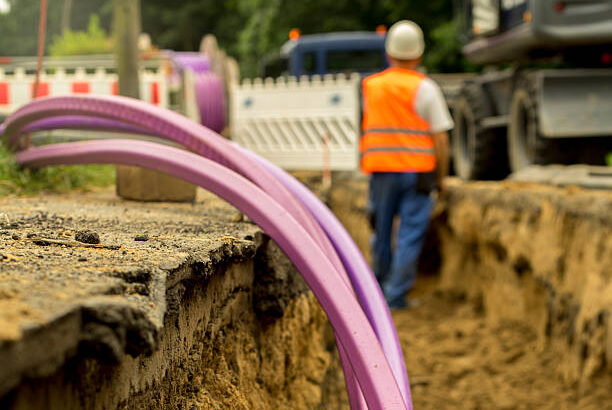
[(288, 212), (209, 92)]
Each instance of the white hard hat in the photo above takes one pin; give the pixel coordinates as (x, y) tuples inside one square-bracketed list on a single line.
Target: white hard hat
[(405, 41)]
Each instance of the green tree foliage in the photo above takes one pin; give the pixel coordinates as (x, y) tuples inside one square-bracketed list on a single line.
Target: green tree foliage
[(269, 22), (181, 25), (92, 41), (250, 29), (445, 54), (83, 9), (19, 27), (247, 29)]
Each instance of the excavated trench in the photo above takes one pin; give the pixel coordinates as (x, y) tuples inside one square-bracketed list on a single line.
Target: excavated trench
[(518, 312), (187, 306)]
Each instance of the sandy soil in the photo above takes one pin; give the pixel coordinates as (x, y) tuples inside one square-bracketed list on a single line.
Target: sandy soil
[(528, 257), (456, 360), (455, 357)]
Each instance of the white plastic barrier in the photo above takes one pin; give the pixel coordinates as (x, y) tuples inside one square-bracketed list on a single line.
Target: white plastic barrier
[(306, 124), (16, 85)]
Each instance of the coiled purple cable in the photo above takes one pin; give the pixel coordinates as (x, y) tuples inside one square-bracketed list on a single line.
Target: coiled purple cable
[(195, 61), (209, 92), (211, 100)]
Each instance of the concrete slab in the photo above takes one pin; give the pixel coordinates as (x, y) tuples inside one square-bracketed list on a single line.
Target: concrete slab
[(146, 185)]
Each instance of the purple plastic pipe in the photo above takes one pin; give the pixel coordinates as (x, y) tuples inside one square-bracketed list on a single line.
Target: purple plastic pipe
[(172, 126), (365, 285), (281, 195), (81, 122), (350, 323)]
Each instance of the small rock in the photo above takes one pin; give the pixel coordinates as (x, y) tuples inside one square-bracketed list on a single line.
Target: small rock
[(141, 238), (31, 235), (81, 259), (460, 367), (87, 236), (16, 237), (2, 257)]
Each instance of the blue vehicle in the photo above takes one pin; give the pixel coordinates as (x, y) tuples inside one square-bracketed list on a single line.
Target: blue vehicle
[(362, 52)]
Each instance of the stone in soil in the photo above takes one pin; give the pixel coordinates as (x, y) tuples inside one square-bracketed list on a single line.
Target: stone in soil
[(141, 238), (87, 236)]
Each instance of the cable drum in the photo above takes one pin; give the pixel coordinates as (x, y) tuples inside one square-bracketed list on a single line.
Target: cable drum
[(196, 62), (210, 97), (209, 88)]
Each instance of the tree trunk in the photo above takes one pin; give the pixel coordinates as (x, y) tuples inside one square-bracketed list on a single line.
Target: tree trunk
[(126, 26), (66, 13), (133, 182)]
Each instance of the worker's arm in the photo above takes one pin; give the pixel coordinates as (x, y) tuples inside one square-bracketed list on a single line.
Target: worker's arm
[(442, 158), (431, 105)]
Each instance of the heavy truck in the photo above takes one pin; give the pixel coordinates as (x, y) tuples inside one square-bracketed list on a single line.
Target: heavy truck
[(545, 94)]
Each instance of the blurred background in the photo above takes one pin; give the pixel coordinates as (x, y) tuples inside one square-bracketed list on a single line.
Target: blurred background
[(246, 29)]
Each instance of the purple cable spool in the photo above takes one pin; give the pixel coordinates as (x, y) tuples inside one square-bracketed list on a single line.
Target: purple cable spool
[(210, 96), (349, 321), (209, 89), (198, 63)]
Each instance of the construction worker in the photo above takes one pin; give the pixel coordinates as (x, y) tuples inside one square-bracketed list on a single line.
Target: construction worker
[(404, 146)]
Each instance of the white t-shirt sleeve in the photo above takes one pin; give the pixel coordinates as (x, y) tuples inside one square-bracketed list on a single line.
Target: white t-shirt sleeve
[(431, 105)]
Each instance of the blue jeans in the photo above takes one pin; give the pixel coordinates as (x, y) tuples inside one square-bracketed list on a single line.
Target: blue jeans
[(395, 194)]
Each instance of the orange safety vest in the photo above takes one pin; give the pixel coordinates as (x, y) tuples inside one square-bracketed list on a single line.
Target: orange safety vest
[(395, 138)]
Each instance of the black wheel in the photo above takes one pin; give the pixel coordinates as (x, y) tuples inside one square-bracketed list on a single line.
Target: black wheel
[(526, 145), (478, 153)]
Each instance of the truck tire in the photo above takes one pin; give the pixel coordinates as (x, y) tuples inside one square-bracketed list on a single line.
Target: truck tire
[(526, 145), (478, 153)]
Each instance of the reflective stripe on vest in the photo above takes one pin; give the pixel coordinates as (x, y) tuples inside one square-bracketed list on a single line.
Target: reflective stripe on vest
[(395, 138)]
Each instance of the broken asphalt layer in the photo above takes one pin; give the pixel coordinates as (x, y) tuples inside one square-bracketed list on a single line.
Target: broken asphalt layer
[(60, 298)]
